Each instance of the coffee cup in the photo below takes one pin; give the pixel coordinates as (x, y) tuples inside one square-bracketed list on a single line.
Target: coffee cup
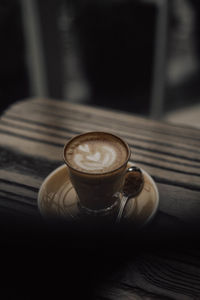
[(97, 164)]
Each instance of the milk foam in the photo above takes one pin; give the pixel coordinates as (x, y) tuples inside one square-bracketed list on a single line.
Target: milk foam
[(88, 159)]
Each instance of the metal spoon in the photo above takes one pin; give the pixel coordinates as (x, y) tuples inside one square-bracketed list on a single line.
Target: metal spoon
[(133, 185)]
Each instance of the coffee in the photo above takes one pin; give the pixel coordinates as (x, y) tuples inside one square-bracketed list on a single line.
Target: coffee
[(97, 163), (96, 153)]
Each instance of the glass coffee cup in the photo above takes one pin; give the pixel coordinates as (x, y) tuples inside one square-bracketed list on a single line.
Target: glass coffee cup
[(97, 164)]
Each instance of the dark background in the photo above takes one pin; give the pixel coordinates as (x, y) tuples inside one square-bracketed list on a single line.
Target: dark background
[(100, 52)]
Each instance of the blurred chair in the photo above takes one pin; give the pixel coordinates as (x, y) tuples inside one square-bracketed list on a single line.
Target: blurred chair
[(182, 93), (159, 70), (44, 48)]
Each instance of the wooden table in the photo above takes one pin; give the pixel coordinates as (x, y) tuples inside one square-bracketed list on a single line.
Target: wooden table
[(32, 135)]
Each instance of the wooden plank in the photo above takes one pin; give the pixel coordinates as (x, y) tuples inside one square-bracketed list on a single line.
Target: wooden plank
[(157, 146), (135, 141), (67, 133), (61, 123), (80, 113), (164, 127), (32, 147)]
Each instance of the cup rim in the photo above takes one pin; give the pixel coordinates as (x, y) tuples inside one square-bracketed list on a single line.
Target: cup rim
[(102, 173)]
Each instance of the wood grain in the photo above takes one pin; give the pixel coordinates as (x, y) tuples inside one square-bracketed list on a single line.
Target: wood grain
[(161, 275), (32, 135), (38, 128)]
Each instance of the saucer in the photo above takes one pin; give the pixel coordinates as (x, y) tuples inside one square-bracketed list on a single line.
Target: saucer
[(57, 198)]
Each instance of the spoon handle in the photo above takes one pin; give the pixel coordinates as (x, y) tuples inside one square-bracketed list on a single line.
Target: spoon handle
[(122, 205)]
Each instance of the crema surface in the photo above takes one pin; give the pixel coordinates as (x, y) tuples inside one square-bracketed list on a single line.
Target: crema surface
[(96, 155)]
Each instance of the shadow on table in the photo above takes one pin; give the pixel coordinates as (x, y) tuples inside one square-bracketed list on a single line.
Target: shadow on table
[(56, 258)]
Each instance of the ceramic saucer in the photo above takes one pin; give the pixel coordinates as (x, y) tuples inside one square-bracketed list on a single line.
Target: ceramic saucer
[(57, 197)]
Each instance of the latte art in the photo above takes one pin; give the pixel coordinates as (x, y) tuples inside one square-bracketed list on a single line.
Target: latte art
[(96, 153), (88, 160)]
